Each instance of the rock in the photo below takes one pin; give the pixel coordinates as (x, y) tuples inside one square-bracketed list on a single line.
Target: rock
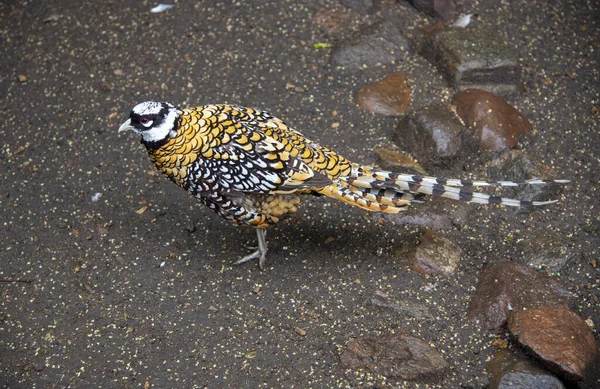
[(434, 255), (507, 286), (329, 21), (498, 123), (443, 9), (436, 137), (394, 160), (432, 28), (22, 78), (389, 96), (511, 371), (395, 356), (379, 44), (547, 249), (361, 6), (556, 335), (404, 308), (474, 58), (518, 166)]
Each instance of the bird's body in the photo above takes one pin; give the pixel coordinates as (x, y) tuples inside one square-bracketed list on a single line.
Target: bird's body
[(252, 169)]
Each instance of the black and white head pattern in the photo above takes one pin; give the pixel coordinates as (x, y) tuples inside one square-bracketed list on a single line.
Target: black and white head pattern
[(153, 120)]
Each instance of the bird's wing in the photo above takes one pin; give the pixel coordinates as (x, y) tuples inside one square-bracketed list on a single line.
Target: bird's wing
[(245, 157)]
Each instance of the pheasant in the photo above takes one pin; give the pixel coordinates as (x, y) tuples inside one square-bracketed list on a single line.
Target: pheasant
[(251, 168)]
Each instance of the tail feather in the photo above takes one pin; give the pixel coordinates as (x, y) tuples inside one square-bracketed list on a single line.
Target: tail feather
[(383, 191)]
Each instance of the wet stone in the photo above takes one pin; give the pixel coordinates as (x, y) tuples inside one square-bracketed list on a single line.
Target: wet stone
[(547, 249), (379, 44), (498, 123), (389, 96), (395, 356), (434, 255), (436, 137), (474, 58), (558, 336), (507, 286), (508, 370)]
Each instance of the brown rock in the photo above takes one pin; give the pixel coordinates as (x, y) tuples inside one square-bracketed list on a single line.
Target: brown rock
[(557, 335), (395, 356), (507, 286), (498, 123), (436, 136), (389, 96), (22, 78), (435, 255)]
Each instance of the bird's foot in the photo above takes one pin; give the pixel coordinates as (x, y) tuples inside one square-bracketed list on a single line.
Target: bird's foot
[(262, 257), (261, 253)]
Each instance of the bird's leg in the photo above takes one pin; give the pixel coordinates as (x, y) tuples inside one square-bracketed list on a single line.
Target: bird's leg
[(261, 253)]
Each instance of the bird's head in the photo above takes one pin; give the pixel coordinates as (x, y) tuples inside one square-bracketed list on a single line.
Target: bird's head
[(154, 121)]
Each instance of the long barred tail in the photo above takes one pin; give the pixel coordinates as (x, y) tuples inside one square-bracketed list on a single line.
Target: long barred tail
[(383, 191)]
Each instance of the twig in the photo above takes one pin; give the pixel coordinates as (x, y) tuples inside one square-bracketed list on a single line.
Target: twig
[(16, 280)]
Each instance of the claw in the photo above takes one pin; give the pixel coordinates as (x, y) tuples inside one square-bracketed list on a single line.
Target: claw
[(261, 253)]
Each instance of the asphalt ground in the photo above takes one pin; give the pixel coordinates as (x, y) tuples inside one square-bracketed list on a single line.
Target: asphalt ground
[(136, 289)]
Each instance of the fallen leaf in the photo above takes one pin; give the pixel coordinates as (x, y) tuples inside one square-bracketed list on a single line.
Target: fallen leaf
[(322, 45)]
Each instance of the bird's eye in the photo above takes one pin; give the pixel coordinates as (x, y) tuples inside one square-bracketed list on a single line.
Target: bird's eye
[(146, 121)]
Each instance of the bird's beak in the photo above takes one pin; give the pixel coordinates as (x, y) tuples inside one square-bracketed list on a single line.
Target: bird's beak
[(125, 126)]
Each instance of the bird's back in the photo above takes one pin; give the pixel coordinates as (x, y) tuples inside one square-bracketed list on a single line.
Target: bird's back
[(229, 135)]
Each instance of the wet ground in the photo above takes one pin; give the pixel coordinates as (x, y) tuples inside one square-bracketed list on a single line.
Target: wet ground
[(137, 290)]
